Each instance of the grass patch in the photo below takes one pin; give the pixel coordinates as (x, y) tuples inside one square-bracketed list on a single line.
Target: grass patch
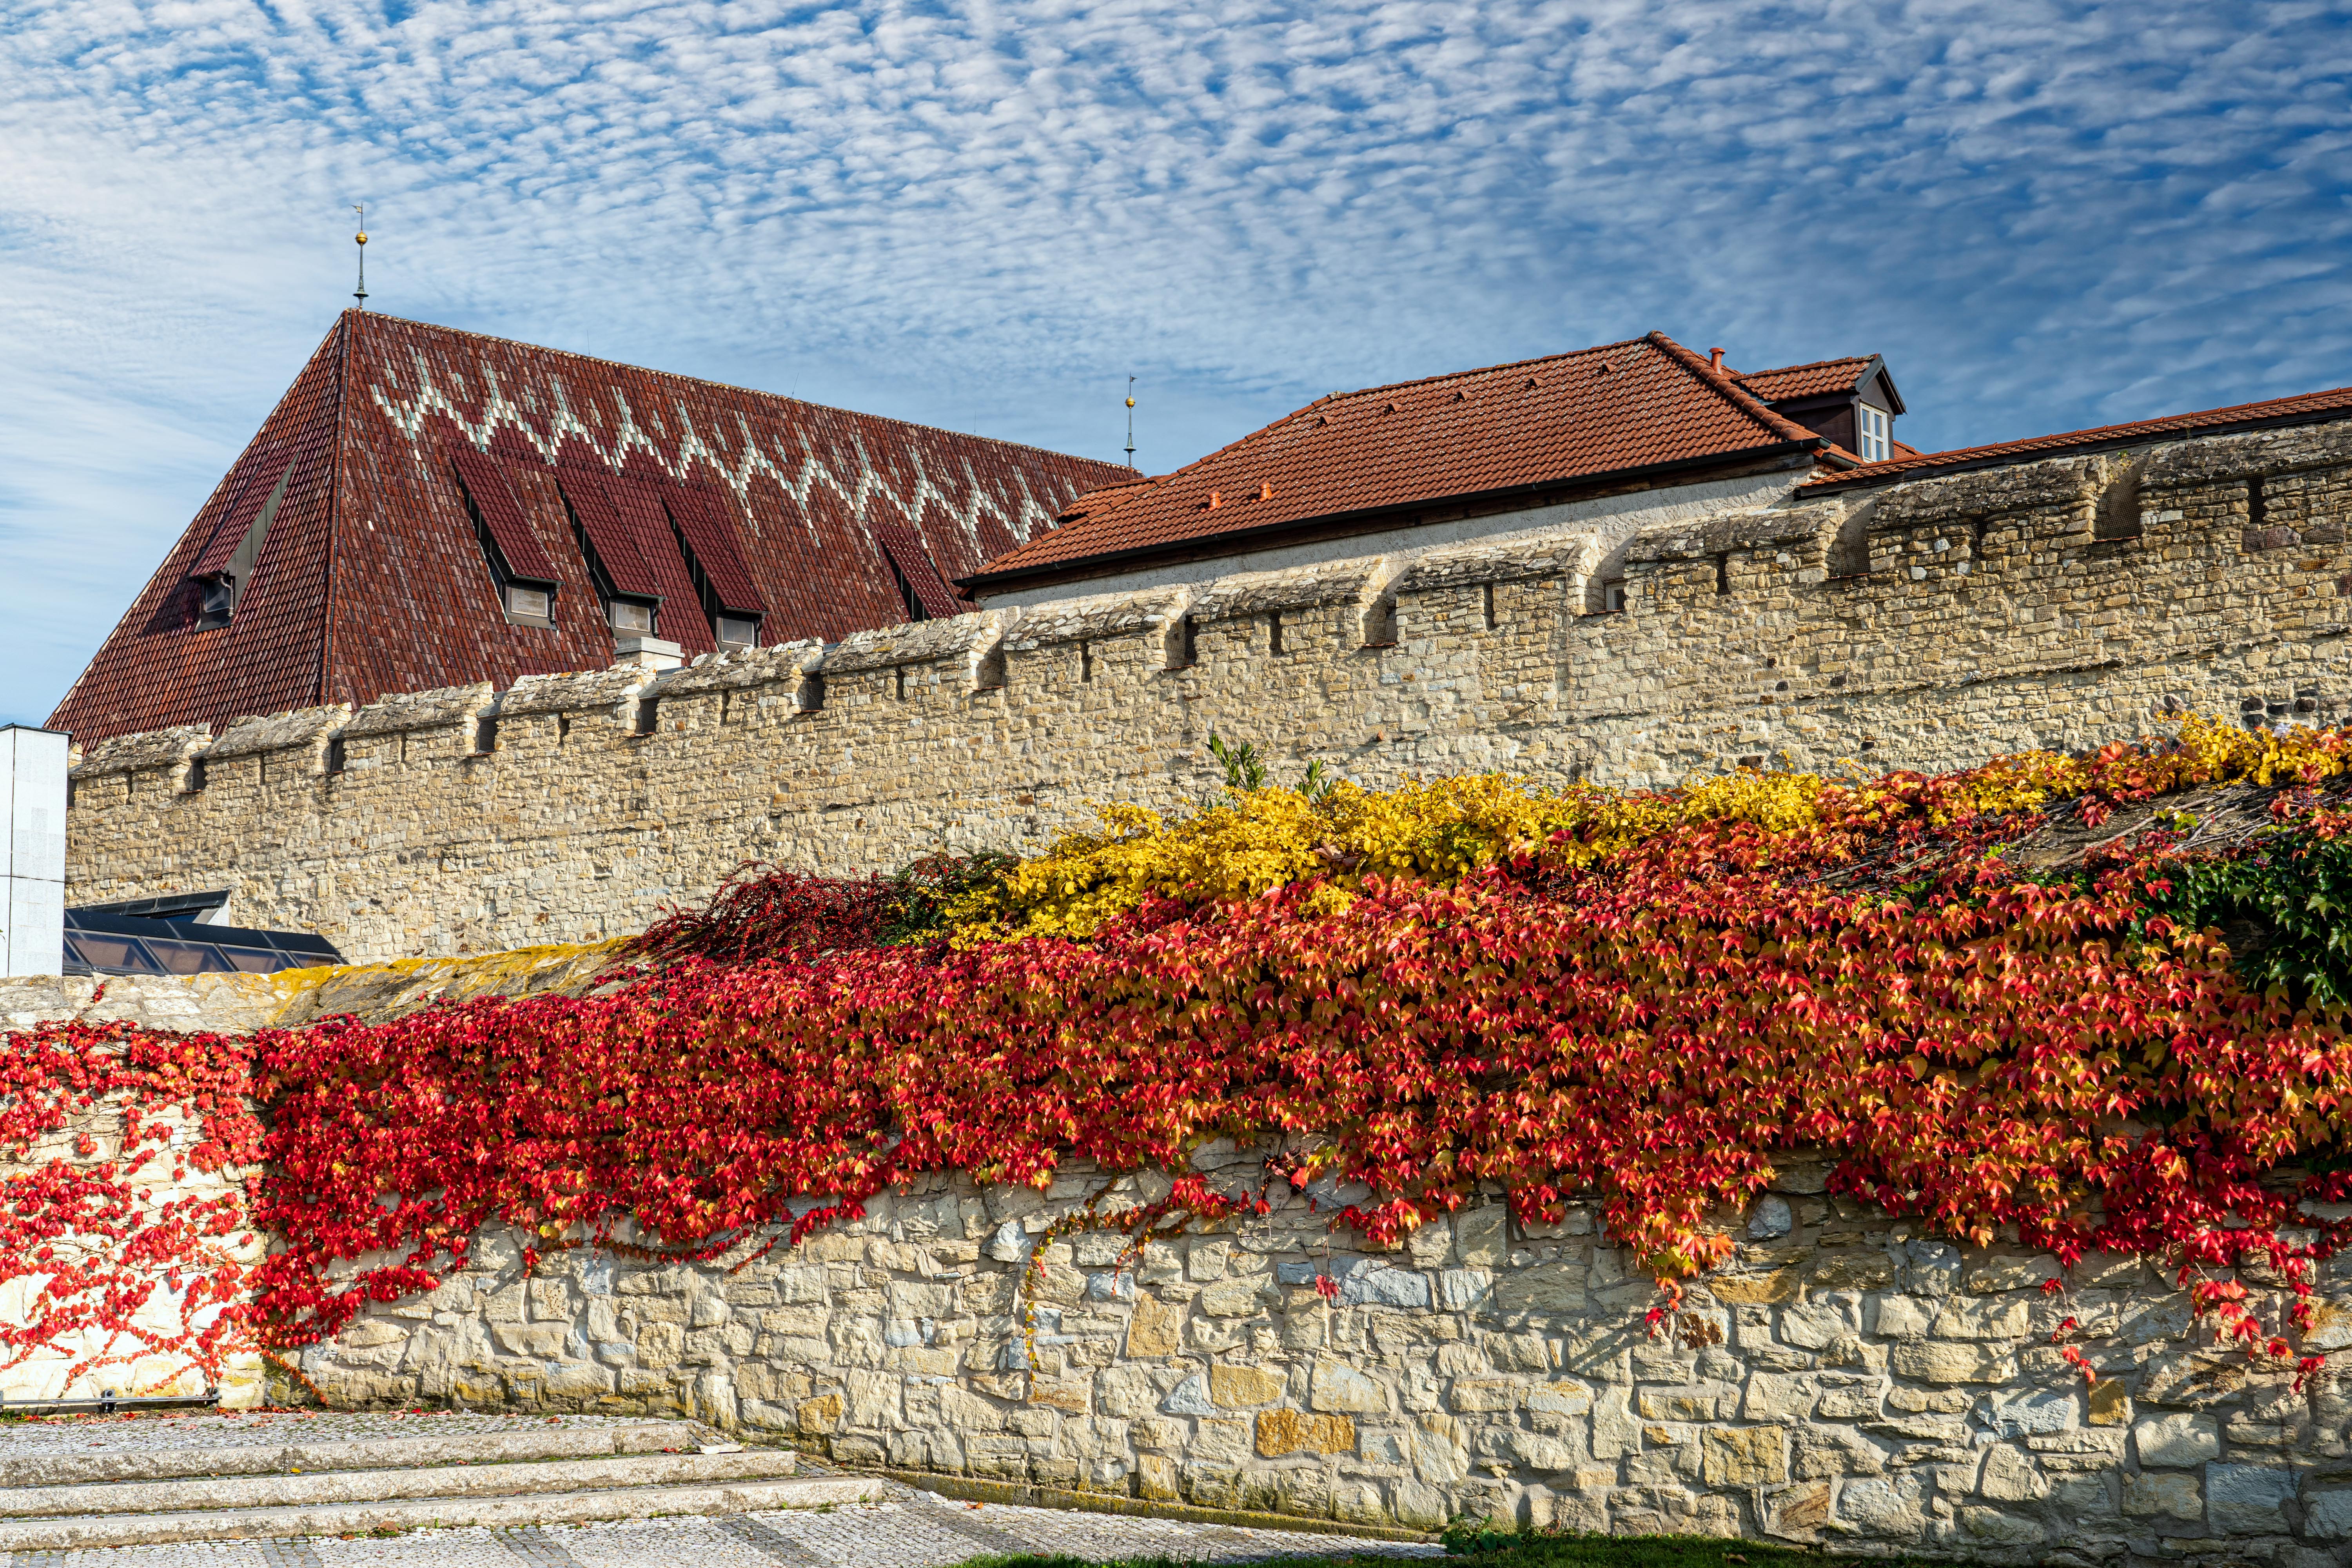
[(1063, 1561), (1488, 1549)]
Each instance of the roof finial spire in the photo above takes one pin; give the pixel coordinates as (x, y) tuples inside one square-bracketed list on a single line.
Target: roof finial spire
[(1130, 422), (360, 239)]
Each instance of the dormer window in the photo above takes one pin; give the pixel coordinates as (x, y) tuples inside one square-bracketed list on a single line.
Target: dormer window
[(1851, 403), (921, 587), (705, 535), (530, 606), (625, 582), (218, 602), (519, 569), (229, 560), (1872, 443)]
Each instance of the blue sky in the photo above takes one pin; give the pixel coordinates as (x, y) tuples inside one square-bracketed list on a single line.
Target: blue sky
[(986, 216)]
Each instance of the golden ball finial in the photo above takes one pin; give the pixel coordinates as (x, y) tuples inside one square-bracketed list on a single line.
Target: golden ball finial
[(361, 237), (1130, 403)]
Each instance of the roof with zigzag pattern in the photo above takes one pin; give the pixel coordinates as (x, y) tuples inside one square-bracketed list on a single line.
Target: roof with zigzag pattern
[(379, 560)]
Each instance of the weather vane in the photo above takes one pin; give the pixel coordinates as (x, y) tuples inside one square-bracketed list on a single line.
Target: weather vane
[(361, 240), (1130, 422)]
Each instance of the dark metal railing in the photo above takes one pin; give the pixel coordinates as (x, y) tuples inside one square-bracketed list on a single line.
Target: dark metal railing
[(108, 1403)]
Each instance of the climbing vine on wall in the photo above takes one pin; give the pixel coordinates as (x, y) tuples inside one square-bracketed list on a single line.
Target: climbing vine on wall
[(2008, 1006), (106, 1265)]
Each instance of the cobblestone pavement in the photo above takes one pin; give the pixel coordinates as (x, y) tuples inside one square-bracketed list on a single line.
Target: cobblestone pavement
[(909, 1530)]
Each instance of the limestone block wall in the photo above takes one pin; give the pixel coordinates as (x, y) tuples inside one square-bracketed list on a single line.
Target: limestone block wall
[(188, 1003), (1934, 624), (1846, 1382)]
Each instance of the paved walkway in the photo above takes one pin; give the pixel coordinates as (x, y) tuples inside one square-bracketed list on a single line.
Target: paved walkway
[(910, 1530), (165, 1430)]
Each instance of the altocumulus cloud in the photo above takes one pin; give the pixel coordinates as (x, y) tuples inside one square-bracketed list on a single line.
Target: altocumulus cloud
[(2046, 214)]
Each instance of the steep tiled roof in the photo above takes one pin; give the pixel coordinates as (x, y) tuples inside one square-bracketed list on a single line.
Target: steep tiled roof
[(1815, 380), (372, 578), (2307, 407), (1641, 405)]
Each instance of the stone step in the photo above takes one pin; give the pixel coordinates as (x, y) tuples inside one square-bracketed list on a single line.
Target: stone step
[(315, 1487), (432, 1512), (424, 1448)]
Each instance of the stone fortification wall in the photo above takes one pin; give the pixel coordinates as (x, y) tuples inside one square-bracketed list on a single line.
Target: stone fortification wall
[(2059, 604), (1846, 1382)]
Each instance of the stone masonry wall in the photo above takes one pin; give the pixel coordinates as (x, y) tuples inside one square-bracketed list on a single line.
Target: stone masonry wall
[(2058, 604), (1846, 1382)]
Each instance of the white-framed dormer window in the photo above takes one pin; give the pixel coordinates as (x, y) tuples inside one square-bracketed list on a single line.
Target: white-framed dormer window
[(530, 606), (1875, 445)]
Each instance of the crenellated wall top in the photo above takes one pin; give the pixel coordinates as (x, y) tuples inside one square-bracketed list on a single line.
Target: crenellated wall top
[(964, 639), (413, 710), (581, 691), (785, 664), (1297, 588), (2247, 456), (1097, 617), (1476, 565), (1759, 528), (281, 732), (968, 654), (148, 749)]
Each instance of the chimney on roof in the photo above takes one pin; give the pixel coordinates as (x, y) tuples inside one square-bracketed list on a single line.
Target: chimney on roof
[(1714, 360)]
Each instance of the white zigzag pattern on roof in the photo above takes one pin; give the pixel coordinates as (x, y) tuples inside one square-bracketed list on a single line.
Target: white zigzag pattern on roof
[(407, 412)]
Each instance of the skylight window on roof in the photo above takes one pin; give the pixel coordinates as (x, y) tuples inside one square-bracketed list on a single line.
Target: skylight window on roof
[(1873, 441)]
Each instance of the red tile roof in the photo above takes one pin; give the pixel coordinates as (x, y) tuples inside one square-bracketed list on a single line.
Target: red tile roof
[(373, 579), (1648, 402), (2308, 407), (1818, 379), (1104, 498)]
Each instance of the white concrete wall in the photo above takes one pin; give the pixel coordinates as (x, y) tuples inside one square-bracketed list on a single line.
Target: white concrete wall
[(33, 850), (1611, 521)]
